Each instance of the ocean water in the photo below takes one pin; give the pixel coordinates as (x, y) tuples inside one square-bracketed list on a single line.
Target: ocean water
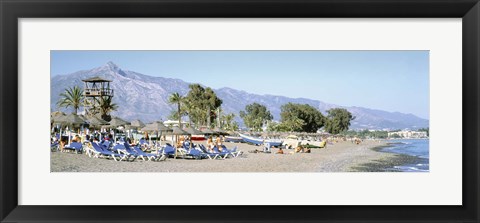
[(418, 148)]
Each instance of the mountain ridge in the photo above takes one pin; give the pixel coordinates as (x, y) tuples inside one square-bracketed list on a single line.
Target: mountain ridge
[(145, 97)]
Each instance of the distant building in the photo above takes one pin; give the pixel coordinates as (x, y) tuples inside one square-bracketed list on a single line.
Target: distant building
[(174, 123), (408, 134)]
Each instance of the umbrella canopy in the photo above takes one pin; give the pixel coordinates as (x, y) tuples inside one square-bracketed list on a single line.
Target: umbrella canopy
[(116, 121), (178, 131), (219, 131), (193, 131), (95, 121), (57, 117), (207, 131), (156, 126), (71, 120), (137, 123)]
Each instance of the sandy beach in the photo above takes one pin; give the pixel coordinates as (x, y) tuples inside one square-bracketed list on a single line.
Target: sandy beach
[(339, 157)]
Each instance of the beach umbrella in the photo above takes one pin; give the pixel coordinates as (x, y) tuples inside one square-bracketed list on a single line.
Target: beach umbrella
[(57, 117), (137, 124), (71, 120), (116, 122), (219, 131), (207, 131), (158, 127), (95, 121), (193, 131), (177, 131)]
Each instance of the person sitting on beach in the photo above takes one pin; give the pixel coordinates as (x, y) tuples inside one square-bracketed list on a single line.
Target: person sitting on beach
[(219, 144), (76, 139), (307, 150), (210, 144), (299, 149), (280, 151)]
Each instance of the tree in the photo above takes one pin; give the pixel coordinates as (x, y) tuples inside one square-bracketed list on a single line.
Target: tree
[(338, 120), (255, 115), (71, 97), (229, 122), (212, 102), (105, 106), (425, 130), (201, 102), (176, 98), (301, 118)]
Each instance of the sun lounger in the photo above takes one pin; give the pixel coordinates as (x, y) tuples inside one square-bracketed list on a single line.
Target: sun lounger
[(143, 155), (168, 150), (223, 154), (74, 146), (209, 154), (233, 152), (98, 152)]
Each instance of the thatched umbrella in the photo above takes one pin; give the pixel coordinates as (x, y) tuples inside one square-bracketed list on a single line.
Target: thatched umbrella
[(95, 121), (219, 131), (193, 131), (207, 131), (117, 122), (177, 131), (157, 127), (71, 120), (137, 124)]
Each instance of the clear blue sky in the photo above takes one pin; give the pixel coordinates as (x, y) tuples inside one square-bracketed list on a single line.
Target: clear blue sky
[(387, 80)]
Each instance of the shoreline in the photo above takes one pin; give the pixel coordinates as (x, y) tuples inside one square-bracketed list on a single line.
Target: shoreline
[(388, 164), (339, 157)]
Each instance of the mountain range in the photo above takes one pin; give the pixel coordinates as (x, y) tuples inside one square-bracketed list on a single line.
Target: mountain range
[(145, 97)]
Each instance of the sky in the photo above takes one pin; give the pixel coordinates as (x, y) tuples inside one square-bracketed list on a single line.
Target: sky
[(395, 81)]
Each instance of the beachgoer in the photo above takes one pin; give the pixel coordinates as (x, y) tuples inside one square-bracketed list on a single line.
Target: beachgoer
[(210, 144), (280, 151), (299, 149), (307, 150), (219, 144)]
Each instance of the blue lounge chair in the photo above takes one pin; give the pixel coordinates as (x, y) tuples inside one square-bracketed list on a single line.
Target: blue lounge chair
[(169, 150), (74, 146), (222, 154), (208, 154), (233, 152), (148, 156), (98, 152)]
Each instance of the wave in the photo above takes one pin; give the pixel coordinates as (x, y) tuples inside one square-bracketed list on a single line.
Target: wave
[(410, 169)]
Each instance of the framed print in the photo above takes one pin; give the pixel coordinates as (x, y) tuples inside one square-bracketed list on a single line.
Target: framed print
[(227, 111)]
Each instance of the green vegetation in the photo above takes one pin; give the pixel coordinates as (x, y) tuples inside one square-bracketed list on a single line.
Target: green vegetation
[(177, 99), (338, 120), (366, 134), (300, 118), (255, 115), (199, 103), (425, 130), (72, 97), (105, 106), (229, 123)]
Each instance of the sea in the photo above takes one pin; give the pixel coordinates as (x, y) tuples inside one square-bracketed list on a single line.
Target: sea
[(418, 148)]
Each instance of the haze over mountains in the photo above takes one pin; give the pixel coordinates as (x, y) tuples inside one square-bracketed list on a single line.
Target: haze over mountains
[(145, 97)]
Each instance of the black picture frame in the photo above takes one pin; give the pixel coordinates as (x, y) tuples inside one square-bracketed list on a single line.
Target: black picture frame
[(12, 10)]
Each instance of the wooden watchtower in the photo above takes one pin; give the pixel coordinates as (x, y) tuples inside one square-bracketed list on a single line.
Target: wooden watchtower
[(94, 89)]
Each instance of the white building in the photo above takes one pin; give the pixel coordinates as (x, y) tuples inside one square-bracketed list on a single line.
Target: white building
[(408, 134)]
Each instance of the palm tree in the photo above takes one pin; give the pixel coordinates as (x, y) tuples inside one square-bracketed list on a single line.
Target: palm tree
[(71, 97), (176, 98), (106, 105)]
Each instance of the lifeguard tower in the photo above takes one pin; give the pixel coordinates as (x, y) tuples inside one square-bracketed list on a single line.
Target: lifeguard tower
[(95, 88)]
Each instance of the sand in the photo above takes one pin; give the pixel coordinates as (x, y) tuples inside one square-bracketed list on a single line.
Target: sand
[(339, 157)]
